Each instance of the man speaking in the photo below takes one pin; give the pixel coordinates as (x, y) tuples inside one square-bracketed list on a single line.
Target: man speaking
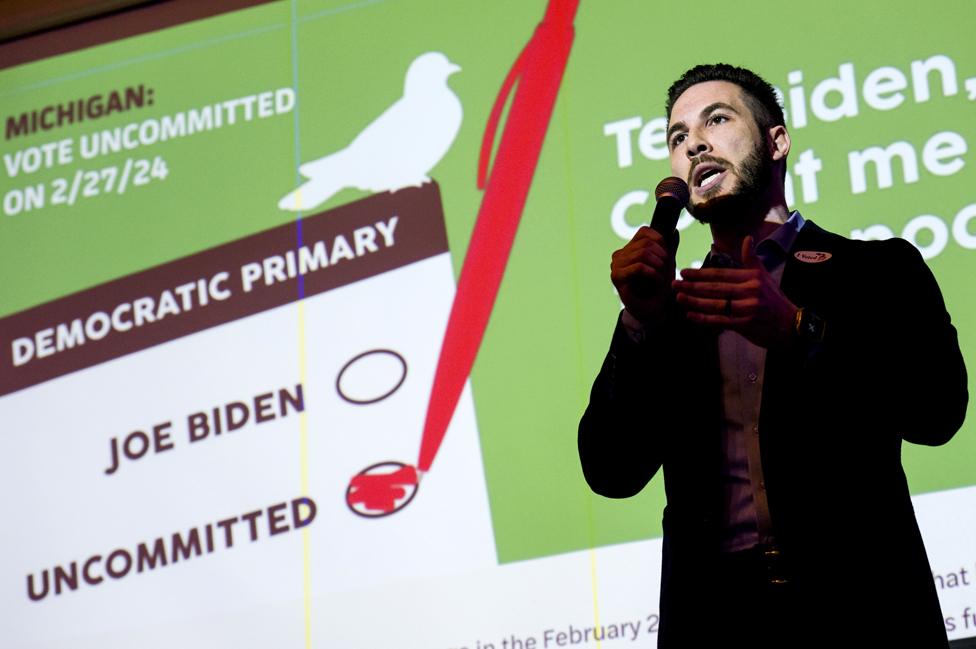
[(774, 387)]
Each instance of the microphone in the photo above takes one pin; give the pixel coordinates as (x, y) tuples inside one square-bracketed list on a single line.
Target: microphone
[(671, 195)]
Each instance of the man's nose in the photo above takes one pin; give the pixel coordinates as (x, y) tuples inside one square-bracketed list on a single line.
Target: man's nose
[(697, 144)]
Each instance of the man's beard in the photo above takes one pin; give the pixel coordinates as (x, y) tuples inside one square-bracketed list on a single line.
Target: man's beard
[(754, 177)]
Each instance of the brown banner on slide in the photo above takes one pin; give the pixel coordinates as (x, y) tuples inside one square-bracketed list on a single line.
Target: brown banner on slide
[(97, 30), (231, 281)]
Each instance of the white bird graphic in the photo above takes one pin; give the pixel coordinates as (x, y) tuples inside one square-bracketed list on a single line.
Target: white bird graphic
[(399, 148)]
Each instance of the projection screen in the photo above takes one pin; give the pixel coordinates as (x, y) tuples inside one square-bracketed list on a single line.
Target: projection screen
[(231, 238)]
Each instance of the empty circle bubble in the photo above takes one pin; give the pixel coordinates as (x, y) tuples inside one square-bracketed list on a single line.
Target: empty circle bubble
[(371, 376)]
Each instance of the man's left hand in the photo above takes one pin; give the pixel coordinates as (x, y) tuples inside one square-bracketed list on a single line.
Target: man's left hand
[(747, 300)]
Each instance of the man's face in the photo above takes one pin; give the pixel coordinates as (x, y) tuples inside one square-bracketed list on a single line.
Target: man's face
[(717, 148)]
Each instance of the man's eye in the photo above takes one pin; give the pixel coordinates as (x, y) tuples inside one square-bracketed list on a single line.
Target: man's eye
[(718, 119), (677, 139)]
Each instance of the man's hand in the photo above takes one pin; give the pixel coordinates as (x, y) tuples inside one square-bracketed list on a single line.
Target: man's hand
[(642, 272), (747, 300)]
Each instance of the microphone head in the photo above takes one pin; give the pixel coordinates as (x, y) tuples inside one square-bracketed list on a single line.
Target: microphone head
[(674, 188)]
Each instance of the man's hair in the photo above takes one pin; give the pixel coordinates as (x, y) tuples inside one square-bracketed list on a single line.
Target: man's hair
[(758, 94)]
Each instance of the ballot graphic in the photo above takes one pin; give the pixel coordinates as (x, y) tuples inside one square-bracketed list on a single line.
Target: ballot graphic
[(338, 387)]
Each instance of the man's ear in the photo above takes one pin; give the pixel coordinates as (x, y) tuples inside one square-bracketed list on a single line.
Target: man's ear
[(779, 142)]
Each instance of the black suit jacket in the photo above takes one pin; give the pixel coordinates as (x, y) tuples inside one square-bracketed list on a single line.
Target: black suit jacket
[(832, 421)]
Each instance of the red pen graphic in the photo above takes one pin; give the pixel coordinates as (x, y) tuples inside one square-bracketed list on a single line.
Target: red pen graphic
[(536, 77)]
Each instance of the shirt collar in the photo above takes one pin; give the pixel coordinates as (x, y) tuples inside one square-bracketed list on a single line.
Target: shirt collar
[(782, 238), (771, 250)]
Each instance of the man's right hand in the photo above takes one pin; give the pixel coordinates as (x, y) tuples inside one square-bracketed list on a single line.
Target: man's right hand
[(642, 272)]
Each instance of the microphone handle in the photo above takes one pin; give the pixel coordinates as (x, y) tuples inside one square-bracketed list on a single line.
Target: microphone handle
[(665, 217)]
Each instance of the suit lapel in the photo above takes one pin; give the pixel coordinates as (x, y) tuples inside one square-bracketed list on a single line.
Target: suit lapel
[(809, 280), (812, 266)]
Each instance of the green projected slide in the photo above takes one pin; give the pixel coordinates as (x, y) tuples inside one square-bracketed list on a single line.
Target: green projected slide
[(230, 249)]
